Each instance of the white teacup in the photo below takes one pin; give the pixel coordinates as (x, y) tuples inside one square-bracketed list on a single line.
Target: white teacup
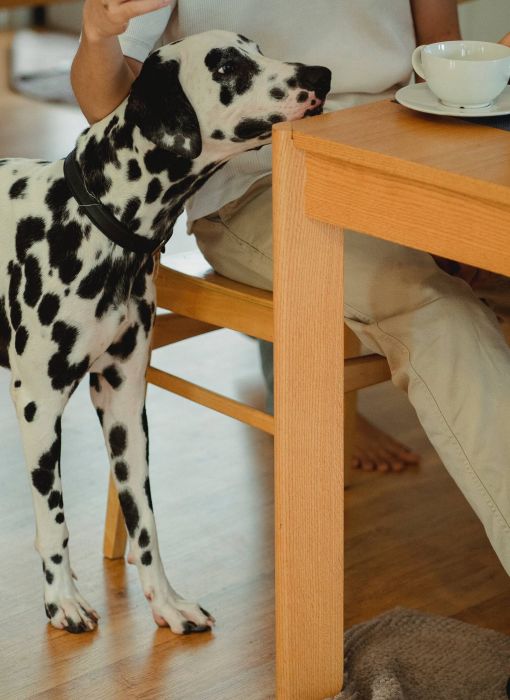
[(469, 74)]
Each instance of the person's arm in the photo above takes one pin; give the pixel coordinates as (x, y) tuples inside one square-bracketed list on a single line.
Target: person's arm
[(435, 20), (101, 75)]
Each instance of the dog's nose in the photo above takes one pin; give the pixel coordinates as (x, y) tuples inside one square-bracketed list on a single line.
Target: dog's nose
[(316, 79)]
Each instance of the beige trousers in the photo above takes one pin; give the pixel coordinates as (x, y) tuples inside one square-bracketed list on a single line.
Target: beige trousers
[(443, 344)]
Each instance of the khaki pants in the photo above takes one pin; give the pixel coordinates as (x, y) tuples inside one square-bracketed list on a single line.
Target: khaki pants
[(443, 344)]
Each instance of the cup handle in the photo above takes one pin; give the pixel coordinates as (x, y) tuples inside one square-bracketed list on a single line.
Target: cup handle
[(416, 61)]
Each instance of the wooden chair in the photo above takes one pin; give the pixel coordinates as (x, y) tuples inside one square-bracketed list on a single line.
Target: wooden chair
[(201, 301)]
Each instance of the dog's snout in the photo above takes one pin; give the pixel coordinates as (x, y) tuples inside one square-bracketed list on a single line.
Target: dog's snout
[(315, 78)]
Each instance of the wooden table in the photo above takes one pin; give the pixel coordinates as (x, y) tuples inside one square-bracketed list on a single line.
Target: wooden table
[(436, 184)]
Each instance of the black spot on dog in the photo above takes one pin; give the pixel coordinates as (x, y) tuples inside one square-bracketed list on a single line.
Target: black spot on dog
[(64, 543), (28, 231), (302, 96), (218, 134), (159, 159), (277, 93), (64, 242), (244, 39), (18, 188), (61, 372), (147, 487), (93, 282), (14, 284), (51, 610), (21, 339), (33, 281), (57, 198), (17, 384), (145, 313), (54, 500), (175, 191), (226, 95), (121, 471), (132, 206), (118, 440), (154, 189), (146, 558), (125, 346), (48, 309), (43, 480), (144, 539), (94, 381), (249, 128), (96, 155), (100, 414), (30, 411), (130, 511), (123, 137), (292, 82), (113, 122), (156, 160), (116, 286), (145, 428), (65, 336), (149, 266), (112, 376), (5, 336), (59, 518), (134, 170), (56, 558), (49, 460), (140, 284)]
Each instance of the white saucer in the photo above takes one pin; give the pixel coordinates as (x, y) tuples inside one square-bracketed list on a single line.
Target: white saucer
[(421, 99)]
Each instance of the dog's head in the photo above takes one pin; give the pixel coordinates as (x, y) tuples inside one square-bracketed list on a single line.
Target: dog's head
[(217, 89)]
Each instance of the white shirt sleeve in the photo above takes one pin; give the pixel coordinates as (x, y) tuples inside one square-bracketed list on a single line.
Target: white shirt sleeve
[(143, 32)]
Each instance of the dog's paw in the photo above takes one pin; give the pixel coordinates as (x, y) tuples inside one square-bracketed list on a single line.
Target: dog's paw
[(71, 613), (182, 616)]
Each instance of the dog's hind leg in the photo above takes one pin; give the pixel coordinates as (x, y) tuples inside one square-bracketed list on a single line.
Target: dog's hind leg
[(39, 409), (118, 392)]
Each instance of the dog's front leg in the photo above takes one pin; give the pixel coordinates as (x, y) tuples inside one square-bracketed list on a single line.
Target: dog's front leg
[(118, 392), (39, 409)]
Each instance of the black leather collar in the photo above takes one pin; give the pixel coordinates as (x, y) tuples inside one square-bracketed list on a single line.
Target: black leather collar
[(101, 217)]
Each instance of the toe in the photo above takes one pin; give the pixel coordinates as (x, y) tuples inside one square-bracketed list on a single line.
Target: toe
[(75, 627), (191, 628)]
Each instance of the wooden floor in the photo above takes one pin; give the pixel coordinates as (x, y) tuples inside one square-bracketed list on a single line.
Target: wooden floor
[(411, 538)]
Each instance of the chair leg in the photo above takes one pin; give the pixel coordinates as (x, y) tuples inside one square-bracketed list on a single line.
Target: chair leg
[(352, 348), (115, 535)]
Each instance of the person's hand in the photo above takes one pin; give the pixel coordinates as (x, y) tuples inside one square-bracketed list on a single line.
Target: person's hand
[(106, 18), (505, 40)]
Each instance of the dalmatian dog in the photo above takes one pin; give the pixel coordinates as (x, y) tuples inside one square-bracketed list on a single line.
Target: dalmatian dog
[(78, 241)]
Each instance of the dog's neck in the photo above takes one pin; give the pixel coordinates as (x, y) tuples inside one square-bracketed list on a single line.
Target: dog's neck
[(144, 186)]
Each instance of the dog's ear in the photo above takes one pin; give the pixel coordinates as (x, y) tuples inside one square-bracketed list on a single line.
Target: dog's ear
[(159, 107)]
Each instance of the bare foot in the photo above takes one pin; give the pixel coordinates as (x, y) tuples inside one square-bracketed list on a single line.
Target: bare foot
[(375, 450)]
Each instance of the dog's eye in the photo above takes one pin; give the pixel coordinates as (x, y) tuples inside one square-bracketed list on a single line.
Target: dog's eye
[(226, 69)]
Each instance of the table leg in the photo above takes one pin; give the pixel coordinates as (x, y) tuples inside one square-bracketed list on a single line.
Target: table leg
[(308, 306)]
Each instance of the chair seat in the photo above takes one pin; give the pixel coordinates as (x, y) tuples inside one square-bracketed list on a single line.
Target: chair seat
[(187, 285)]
